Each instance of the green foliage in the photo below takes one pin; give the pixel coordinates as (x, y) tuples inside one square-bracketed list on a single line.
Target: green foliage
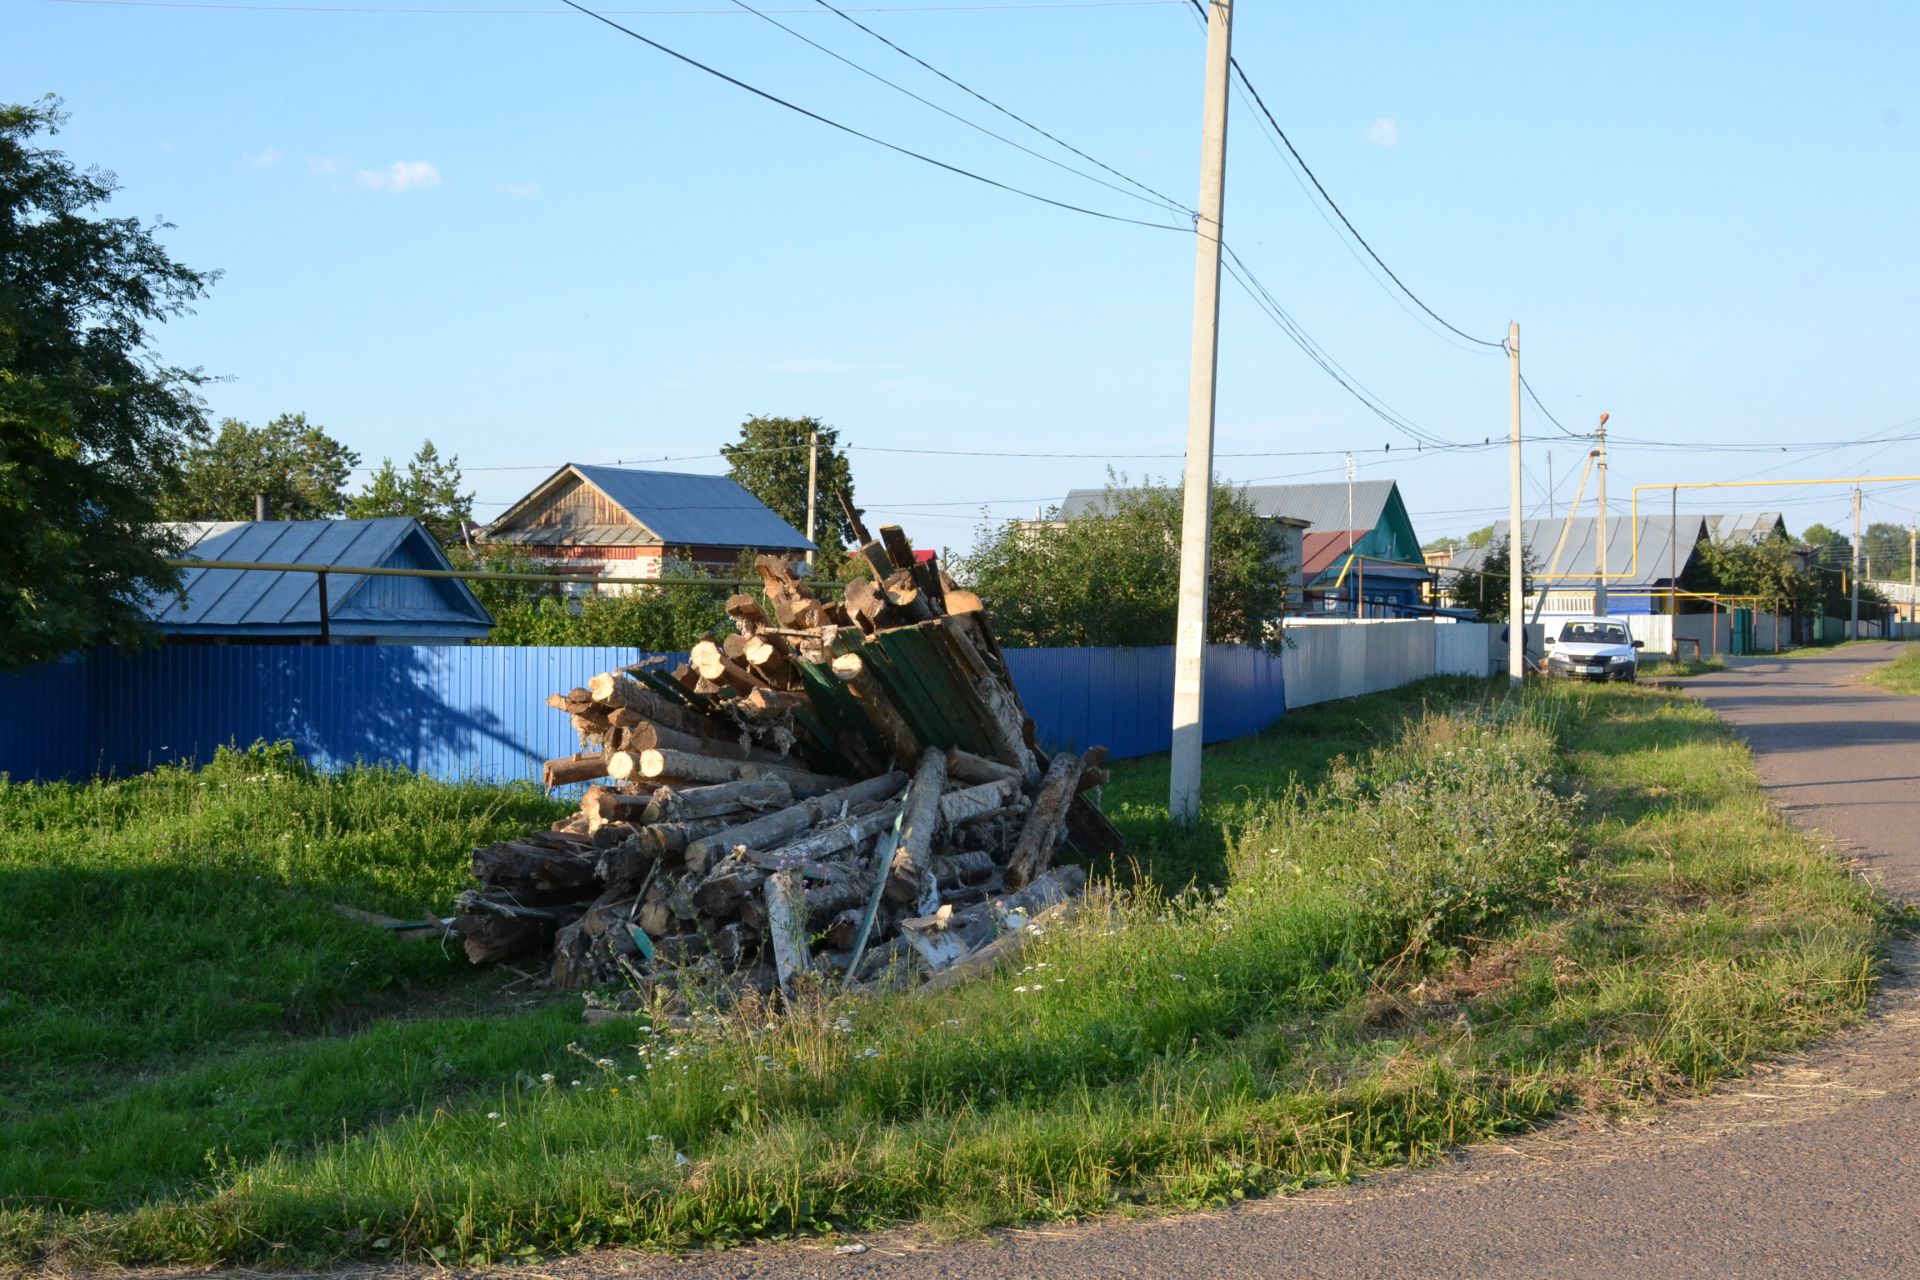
[(501, 598), (1770, 570), (429, 491), (1448, 543), (1902, 675), (92, 424), (665, 618), (1480, 537), (1886, 548), (1835, 548), (769, 460), (1439, 943), (300, 469), (1486, 592), (1113, 577)]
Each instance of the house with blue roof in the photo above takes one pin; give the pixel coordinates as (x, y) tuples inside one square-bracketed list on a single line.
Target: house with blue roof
[(617, 524), (330, 604)]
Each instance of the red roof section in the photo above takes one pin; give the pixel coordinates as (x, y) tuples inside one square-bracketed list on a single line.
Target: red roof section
[(1319, 551)]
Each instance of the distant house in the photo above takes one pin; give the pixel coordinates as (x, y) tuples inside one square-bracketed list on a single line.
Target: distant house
[(1356, 551), (1643, 564), (614, 524), (274, 606)]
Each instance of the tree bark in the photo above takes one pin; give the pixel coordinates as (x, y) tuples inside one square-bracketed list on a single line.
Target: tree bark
[(910, 873), (1042, 831)]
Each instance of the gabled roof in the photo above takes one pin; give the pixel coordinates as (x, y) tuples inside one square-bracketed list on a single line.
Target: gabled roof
[(1746, 526), (1579, 555), (1323, 507), (274, 602), (673, 508)]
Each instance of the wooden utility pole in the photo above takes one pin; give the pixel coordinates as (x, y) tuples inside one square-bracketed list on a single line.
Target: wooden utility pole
[(1196, 518), (1516, 549), (1853, 617), (813, 482)]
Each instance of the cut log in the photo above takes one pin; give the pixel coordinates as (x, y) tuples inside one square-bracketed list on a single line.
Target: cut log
[(1035, 848), (1008, 726), (729, 884), (899, 550), (793, 604), (584, 767), (680, 803), (774, 828), (1002, 951), (868, 607), (850, 669), (768, 657), (963, 868), (713, 664), (602, 806), (973, 802), (910, 872), (769, 704), (616, 690), (745, 610), (786, 924), (801, 781), (964, 766), (834, 838), (903, 593)]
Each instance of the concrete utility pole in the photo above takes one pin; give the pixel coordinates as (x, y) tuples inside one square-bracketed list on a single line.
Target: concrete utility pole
[(1516, 551), (1349, 564), (1600, 527), (813, 482), (1913, 565), (1196, 518), (1853, 617)]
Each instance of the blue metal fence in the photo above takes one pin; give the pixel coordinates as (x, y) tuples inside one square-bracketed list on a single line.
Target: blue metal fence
[(455, 711)]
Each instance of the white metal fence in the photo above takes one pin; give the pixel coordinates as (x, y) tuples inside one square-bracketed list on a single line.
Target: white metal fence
[(1330, 660)]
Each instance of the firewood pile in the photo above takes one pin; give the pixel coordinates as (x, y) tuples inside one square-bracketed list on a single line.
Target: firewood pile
[(849, 788)]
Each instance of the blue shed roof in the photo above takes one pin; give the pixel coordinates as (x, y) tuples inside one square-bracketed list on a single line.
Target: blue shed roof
[(677, 508), (268, 602)]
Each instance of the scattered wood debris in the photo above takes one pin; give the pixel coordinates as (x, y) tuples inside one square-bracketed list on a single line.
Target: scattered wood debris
[(848, 788)]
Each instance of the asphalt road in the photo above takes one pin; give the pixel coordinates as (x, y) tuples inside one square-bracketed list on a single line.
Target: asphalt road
[(1805, 1168)]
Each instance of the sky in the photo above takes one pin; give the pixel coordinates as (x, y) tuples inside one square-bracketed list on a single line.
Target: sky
[(533, 239)]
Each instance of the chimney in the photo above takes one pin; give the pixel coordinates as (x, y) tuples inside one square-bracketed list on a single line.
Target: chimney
[(259, 506)]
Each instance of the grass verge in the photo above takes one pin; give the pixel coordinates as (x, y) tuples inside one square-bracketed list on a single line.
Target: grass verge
[(1902, 675), (1461, 919), (1679, 668)]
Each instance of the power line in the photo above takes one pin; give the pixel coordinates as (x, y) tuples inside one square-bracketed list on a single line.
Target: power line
[(553, 13), (1010, 114), (1338, 211), (1157, 200), (865, 137)]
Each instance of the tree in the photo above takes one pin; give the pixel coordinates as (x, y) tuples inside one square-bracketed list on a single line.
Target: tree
[(1835, 548), (92, 424), (1487, 592), (300, 469), (1768, 570), (1448, 544), (1113, 578), (1480, 538), (429, 491), (1885, 545), (770, 462)]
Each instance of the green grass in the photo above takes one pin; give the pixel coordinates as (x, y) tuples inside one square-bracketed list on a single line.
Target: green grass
[(1410, 926), (1902, 675), (1679, 668)]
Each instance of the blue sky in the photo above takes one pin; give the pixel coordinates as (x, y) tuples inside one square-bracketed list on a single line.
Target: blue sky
[(535, 240)]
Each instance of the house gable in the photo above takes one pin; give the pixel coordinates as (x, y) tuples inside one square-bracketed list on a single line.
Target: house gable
[(569, 508)]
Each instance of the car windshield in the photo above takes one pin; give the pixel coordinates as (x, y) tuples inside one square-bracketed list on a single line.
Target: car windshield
[(1594, 633)]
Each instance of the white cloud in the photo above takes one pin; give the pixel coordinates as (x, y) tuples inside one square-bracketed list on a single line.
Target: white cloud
[(401, 175), (264, 158), (1384, 132), (521, 189)]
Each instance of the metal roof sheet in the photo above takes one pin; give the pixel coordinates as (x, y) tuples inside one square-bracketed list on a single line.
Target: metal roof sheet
[(1578, 557), (1322, 506), (262, 601), (688, 510)]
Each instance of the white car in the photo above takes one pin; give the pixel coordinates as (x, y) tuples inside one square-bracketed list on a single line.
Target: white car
[(1593, 649)]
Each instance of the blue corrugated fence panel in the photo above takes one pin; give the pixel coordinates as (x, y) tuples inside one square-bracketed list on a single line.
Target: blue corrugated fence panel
[(43, 722), (480, 712)]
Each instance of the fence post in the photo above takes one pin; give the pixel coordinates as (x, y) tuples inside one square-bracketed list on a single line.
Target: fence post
[(326, 620)]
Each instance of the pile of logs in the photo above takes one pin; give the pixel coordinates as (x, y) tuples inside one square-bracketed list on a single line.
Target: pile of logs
[(850, 788)]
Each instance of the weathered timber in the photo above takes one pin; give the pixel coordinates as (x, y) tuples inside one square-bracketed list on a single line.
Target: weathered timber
[(801, 781), (773, 829), (745, 610), (899, 550), (964, 766), (786, 924), (903, 593), (1035, 848), (833, 838), (910, 873), (972, 802), (715, 665), (680, 803)]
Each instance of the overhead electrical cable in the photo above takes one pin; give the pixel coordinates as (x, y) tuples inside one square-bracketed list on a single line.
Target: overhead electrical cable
[(1158, 201), (1345, 221), (1007, 112), (866, 137)]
